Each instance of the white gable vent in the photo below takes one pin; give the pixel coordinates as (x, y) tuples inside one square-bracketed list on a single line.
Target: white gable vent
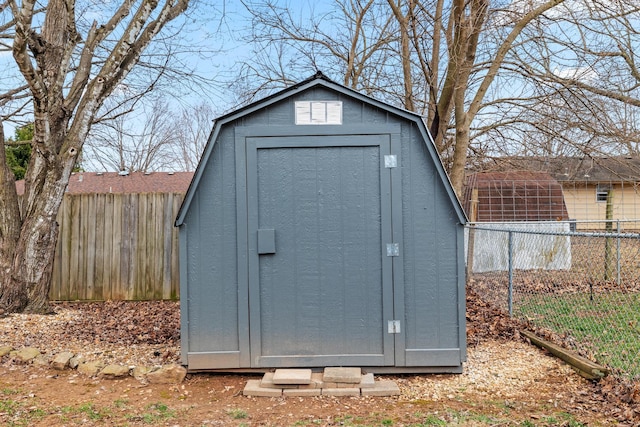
[(318, 112)]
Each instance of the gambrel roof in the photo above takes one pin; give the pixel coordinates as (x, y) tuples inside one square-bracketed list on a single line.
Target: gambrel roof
[(319, 80)]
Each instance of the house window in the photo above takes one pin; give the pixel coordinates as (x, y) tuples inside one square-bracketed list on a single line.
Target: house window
[(602, 191)]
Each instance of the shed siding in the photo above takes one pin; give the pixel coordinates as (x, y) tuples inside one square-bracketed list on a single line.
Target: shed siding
[(430, 258), (211, 245)]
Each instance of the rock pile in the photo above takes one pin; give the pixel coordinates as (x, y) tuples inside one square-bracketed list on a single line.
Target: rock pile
[(165, 374)]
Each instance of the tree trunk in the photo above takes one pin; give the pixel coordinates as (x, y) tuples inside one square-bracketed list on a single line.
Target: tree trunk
[(459, 160), (66, 93), (10, 224), (26, 257), (33, 264)]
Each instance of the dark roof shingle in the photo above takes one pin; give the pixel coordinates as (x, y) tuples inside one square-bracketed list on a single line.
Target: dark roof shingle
[(136, 182)]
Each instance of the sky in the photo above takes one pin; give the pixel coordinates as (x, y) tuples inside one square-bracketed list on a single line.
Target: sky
[(215, 27)]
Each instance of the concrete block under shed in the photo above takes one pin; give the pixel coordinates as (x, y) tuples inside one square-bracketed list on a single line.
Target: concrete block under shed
[(253, 389), (382, 388), (302, 392), (350, 391), (343, 375), (267, 382), (292, 376)]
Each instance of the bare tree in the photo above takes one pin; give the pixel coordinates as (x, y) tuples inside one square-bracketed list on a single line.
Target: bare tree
[(422, 56), (579, 85), (193, 128), (148, 137), (136, 141), (70, 71)]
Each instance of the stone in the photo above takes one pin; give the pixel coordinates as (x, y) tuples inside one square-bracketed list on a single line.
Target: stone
[(41, 360), (267, 382), (292, 376), (343, 375), (382, 388), (25, 355), (114, 371), (90, 368), (253, 389), (140, 372), (61, 360), (367, 381), (169, 374), (5, 350), (350, 391), (76, 361), (302, 392)]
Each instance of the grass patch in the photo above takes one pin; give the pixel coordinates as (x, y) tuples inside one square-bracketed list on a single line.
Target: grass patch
[(15, 414), (608, 325), (237, 414), (432, 420), (155, 413), (92, 412)]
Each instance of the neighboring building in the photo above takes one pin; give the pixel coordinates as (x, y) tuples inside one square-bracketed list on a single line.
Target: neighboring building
[(517, 200), (587, 183), (320, 229), (513, 196), (115, 182)]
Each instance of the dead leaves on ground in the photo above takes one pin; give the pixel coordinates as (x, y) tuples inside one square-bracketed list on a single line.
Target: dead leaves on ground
[(126, 322)]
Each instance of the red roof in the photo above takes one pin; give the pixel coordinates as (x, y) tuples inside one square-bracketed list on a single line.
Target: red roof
[(136, 182)]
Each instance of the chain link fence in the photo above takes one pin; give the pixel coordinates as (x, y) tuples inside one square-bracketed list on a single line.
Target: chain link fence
[(582, 286)]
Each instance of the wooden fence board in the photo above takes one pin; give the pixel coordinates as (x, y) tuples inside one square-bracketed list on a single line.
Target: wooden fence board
[(99, 239), (117, 246), (158, 246), (109, 280), (75, 245)]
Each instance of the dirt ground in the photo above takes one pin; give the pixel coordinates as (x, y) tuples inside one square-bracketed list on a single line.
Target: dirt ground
[(506, 382)]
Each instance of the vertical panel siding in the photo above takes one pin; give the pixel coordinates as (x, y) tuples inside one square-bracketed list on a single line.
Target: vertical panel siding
[(117, 246), (431, 253), (212, 254)]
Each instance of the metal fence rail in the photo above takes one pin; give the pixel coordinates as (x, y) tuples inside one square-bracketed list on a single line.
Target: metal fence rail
[(584, 287)]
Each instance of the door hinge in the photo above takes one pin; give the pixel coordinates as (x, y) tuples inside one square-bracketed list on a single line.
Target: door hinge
[(390, 161), (393, 249), (393, 327)]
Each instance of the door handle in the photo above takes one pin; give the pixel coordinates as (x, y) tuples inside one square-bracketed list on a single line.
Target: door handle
[(266, 241)]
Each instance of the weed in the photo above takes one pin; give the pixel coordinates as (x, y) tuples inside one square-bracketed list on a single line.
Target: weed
[(8, 406), (432, 420), (90, 411), (155, 412), (570, 421), (237, 414), (120, 403)]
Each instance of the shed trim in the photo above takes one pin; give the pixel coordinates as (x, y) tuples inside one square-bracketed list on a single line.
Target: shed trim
[(319, 80)]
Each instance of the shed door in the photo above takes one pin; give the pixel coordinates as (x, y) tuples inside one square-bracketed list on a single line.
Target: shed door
[(320, 280)]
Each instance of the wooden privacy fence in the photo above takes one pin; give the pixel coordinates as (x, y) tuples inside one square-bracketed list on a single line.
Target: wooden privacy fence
[(117, 247)]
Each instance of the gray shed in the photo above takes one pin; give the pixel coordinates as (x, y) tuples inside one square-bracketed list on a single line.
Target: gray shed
[(320, 229)]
